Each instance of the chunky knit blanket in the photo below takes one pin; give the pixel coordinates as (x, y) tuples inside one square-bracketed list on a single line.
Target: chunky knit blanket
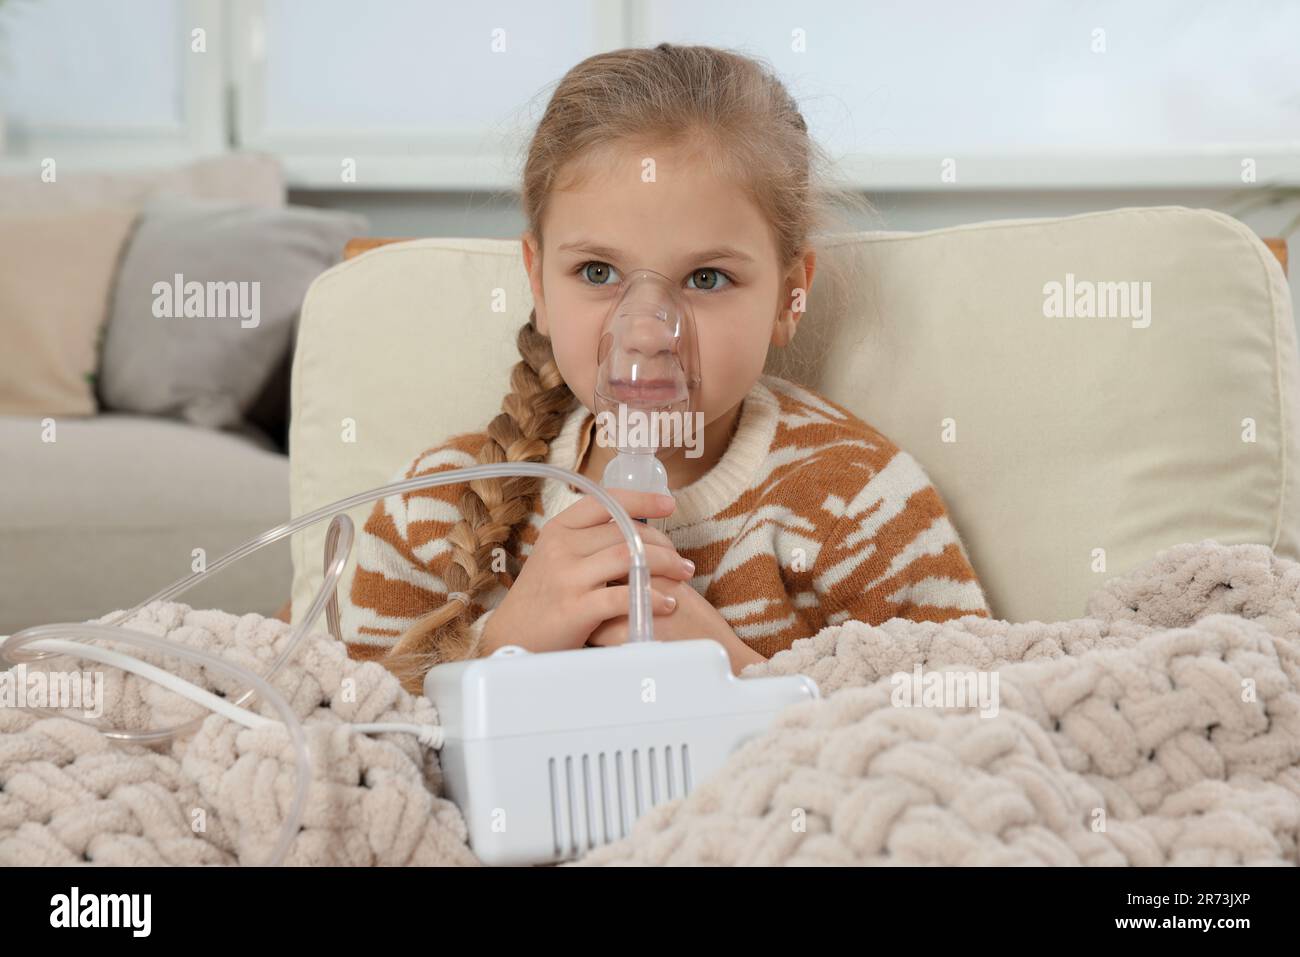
[(1163, 728)]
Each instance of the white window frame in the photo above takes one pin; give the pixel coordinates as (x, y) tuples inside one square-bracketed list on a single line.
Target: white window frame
[(201, 130), (388, 161), (452, 163), (224, 96)]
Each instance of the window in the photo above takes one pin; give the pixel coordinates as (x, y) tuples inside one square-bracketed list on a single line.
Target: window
[(97, 82), (442, 95)]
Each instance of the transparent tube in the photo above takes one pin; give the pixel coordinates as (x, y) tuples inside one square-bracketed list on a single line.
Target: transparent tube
[(86, 631), (338, 546)]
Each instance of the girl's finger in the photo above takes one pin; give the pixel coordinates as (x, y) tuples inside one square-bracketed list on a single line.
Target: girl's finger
[(613, 601), (615, 634), (615, 564), (588, 510), (589, 541), (607, 639)]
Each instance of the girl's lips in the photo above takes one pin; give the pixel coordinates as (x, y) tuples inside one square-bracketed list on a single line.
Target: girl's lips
[(645, 388)]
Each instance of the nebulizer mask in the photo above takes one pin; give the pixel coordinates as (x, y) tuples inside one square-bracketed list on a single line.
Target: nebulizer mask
[(647, 393), (565, 743)]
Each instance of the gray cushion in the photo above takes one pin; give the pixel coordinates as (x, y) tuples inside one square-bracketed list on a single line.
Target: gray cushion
[(111, 511), (206, 358)]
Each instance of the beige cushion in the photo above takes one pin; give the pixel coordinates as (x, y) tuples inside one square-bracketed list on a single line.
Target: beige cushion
[(54, 294), (112, 509), (253, 178), (1079, 447)]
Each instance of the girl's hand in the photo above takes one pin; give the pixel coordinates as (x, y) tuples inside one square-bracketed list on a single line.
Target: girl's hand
[(693, 617), (563, 593)]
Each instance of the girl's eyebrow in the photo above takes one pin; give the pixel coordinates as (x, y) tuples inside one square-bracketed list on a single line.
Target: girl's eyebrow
[(606, 252)]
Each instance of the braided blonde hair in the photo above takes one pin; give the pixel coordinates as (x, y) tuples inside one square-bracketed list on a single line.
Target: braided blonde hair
[(743, 120)]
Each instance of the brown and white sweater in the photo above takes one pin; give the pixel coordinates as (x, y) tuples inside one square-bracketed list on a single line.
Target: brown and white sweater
[(811, 517)]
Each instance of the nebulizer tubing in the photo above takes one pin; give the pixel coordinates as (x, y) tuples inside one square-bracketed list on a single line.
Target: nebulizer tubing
[(72, 638)]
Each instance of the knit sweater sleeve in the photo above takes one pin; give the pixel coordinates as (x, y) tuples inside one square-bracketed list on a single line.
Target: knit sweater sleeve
[(403, 555), (894, 553)]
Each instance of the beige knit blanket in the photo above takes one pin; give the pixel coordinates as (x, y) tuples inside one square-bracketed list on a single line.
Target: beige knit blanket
[(1162, 729)]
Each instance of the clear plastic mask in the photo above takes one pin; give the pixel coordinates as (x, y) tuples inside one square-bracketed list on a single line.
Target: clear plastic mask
[(648, 362)]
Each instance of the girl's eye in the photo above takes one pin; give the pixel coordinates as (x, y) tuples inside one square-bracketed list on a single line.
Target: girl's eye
[(709, 279), (595, 273)]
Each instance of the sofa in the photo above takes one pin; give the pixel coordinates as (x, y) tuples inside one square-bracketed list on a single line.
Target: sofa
[(116, 488)]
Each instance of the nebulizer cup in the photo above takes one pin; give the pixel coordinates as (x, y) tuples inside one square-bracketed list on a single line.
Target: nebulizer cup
[(647, 381)]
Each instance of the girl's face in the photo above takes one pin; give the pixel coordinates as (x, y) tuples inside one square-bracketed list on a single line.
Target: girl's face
[(684, 223)]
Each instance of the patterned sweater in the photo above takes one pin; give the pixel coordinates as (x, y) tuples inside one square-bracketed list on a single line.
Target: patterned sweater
[(810, 518)]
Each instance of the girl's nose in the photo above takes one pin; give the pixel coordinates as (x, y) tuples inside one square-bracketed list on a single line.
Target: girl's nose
[(648, 336)]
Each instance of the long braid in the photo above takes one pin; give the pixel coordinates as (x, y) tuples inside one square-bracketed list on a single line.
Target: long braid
[(493, 511)]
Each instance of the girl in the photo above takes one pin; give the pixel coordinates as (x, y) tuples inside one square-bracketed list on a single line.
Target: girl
[(696, 163)]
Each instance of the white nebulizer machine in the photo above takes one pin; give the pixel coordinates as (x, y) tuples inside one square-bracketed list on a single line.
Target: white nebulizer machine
[(547, 755)]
